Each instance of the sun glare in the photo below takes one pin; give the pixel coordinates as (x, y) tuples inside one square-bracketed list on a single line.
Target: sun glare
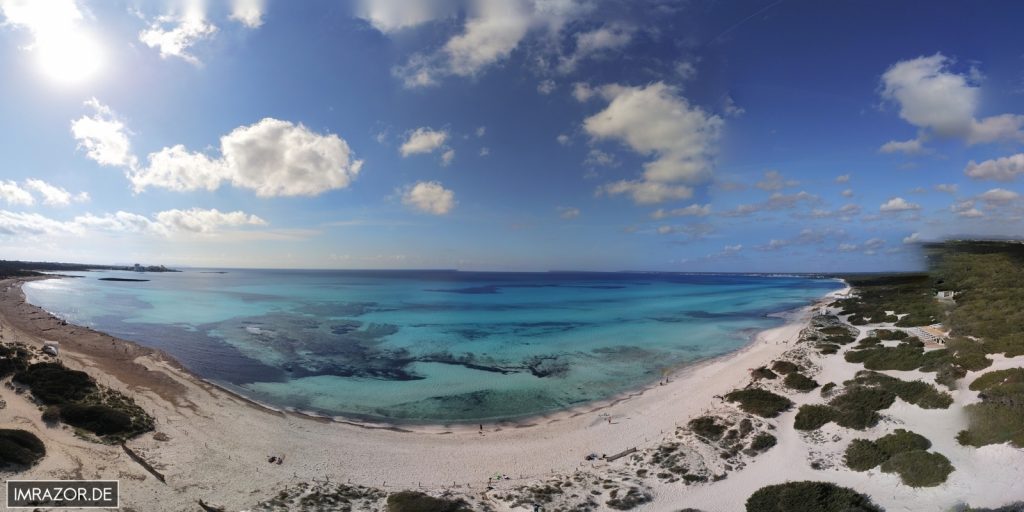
[(70, 58)]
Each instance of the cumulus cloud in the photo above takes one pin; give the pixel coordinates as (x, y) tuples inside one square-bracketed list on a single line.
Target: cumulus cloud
[(197, 220), (248, 12), (165, 223), (941, 102), (563, 139), (449, 156), (775, 202), (949, 188), (647, 192), (13, 194), (731, 109), (568, 212), (655, 120), (966, 209), (773, 181), (693, 210), (999, 169), (390, 16), (492, 30), (898, 204), (913, 238), (53, 195), (429, 197), (595, 42), (910, 147), (423, 140), (998, 196), (271, 157), (546, 87), (847, 193), (843, 178), (174, 34), (103, 136)]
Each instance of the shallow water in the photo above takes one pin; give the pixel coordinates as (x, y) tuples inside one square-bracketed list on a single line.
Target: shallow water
[(425, 345)]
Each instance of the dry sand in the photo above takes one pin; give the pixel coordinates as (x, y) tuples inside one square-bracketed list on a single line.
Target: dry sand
[(219, 443)]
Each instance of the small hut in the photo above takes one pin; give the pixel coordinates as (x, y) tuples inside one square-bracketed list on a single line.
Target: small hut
[(52, 348)]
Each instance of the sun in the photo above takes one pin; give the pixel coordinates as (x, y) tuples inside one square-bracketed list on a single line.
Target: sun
[(70, 57)]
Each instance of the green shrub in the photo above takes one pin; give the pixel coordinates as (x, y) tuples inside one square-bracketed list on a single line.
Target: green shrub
[(785, 367), (993, 423), (99, 419), (799, 382), (763, 373), (762, 441), (902, 441), (809, 497), (705, 426), (51, 414), (813, 416), (827, 348), (919, 393), (761, 402), (862, 455), (998, 377), (52, 383), (827, 389), (20, 448), (919, 468), (412, 501)]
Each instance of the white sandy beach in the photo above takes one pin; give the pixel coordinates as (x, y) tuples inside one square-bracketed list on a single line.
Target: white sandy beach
[(219, 443)]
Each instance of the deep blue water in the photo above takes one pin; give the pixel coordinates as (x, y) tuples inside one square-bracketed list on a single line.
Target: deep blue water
[(429, 345)]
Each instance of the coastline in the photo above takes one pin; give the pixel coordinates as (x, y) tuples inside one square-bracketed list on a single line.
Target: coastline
[(799, 315), (219, 441)]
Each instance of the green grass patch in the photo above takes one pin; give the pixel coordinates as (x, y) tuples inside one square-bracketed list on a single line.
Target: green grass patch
[(809, 497), (761, 402)]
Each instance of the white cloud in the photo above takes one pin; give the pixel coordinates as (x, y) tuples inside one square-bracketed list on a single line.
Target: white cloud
[(594, 42), (598, 158), (481, 131), (271, 157), (999, 169), (546, 87), (654, 120), (898, 204), (167, 223), (423, 140), (568, 212), (103, 136), (647, 192), (53, 195), (175, 33), (847, 193), (775, 202), (773, 181), (693, 210), (197, 220), (938, 101), (846, 247), (843, 178), (13, 194), (248, 12), (563, 139), (910, 147), (912, 239), (449, 156), (484, 151), (873, 244), (686, 70), (965, 209), (731, 109), (390, 16), (949, 188), (999, 196), (429, 197), (582, 91)]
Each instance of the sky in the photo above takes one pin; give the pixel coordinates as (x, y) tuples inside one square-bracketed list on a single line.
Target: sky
[(751, 136)]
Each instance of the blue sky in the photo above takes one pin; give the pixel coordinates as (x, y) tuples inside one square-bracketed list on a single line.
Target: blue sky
[(508, 134)]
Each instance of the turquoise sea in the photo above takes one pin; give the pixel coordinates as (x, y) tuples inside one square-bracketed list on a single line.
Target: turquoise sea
[(429, 346)]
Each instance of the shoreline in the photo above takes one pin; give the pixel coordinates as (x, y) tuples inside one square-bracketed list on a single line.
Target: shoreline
[(800, 314), (219, 442)]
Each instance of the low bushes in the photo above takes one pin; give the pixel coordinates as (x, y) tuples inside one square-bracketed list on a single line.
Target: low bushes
[(921, 394), (52, 383), (999, 417), (98, 419), (763, 373), (919, 468), (705, 426), (862, 454), (412, 501), (760, 402), (800, 382), (20, 448), (785, 367), (809, 497), (762, 441)]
